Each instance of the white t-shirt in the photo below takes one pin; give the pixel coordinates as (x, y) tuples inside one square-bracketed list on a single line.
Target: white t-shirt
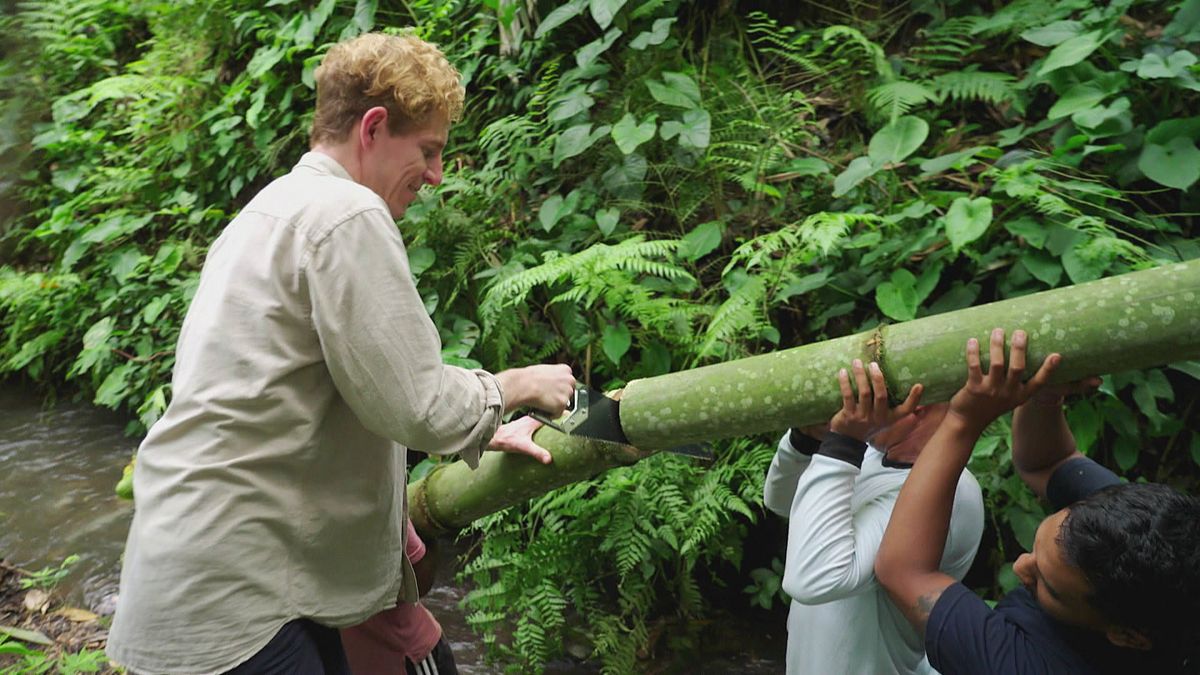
[(841, 620)]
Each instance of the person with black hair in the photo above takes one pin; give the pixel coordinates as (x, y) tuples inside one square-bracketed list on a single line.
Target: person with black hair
[(1112, 584)]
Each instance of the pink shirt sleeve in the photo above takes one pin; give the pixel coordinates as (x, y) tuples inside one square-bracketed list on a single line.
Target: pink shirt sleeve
[(415, 548)]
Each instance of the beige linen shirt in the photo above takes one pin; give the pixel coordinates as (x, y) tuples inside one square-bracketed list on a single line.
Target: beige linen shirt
[(273, 486)]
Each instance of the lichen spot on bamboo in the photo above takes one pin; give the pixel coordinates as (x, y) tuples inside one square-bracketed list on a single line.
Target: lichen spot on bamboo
[(1164, 313)]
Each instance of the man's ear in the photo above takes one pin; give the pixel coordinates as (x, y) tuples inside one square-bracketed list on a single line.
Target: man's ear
[(1130, 638), (373, 123)]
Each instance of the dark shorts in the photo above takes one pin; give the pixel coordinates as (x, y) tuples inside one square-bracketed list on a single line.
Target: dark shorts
[(301, 647), (439, 662)]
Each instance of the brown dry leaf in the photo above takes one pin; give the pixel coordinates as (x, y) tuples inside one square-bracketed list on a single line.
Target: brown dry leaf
[(76, 614), (36, 600)]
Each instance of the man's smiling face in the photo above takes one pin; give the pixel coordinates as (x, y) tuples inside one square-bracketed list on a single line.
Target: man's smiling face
[(395, 166)]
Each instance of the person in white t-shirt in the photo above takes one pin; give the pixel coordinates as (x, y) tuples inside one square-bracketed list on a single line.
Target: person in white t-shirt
[(838, 495)]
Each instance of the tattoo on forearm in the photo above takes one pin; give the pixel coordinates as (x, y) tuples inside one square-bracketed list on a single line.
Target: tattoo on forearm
[(925, 605)]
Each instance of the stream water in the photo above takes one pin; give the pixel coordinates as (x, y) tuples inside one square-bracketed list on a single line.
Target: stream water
[(58, 467)]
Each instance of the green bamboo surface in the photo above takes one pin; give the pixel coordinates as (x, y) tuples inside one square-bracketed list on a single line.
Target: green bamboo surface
[(1133, 321)]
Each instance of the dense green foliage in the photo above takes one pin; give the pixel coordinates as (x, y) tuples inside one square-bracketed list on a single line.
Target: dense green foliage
[(637, 187)]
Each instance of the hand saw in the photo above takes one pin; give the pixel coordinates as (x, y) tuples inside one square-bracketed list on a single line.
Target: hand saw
[(593, 415)]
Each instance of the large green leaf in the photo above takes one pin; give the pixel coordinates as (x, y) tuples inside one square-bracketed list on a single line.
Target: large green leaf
[(616, 341), (694, 130), (1043, 266), (1071, 52), (364, 15), (1164, 131), (1175, 164), (572, 102), (655, 36), (897, 297), (551, 212), (628, 134), (1185, 26), (967, 220), (859, 170), (588, 53), (1155, 66), (1053, 34), (898, 140), (561, 14), (1033, 232), (607, 219), (939, 164), (676, 89), (626, 179), (115, 387), (1108, 120), (1080, 97), (575, 140), (701, 240), (1190, 367), (604, 11)]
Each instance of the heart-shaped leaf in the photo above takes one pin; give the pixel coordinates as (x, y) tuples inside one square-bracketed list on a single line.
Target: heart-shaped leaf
[(967, 220), (898, 140), (1174, 164), (607, 219), (616, 340), (694, 131), (628, 134), (897, 297), (676, 89), (655, 36)]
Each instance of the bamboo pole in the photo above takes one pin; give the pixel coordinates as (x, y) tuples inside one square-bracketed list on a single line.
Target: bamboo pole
[(1133, 321)]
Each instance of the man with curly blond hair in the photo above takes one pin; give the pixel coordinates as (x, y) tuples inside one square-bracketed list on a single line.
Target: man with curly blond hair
[(270, 496)]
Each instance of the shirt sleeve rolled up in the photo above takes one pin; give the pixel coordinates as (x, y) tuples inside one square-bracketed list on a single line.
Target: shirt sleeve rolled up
[(383, 351)]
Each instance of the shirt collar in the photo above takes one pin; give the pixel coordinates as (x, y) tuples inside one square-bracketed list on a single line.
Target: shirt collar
[(321, 163)]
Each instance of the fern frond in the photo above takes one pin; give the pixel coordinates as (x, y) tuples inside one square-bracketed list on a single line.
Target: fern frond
[(740, 313), (949, 43), (769, 38), (972, 84), (855, 38), (893, 99)]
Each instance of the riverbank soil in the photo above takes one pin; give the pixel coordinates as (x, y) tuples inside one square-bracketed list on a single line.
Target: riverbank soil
[(29, 618)]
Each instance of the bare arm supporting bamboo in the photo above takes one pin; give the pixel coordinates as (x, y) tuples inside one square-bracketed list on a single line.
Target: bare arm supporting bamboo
[(1133, 321)]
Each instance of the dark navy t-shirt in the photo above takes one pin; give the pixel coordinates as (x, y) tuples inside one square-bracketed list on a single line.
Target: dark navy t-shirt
[(964, 635)]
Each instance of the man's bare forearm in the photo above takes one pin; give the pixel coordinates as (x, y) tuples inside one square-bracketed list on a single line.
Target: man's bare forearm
[(909, 557), (1040, 435)]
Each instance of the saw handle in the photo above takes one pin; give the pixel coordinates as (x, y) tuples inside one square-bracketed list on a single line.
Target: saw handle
[(573, 406)]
